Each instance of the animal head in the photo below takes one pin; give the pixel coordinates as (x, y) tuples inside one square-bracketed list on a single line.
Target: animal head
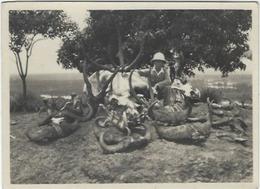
[(187, 89)]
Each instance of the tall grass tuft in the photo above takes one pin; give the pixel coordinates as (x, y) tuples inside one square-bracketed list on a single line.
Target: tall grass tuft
[(31, 103), (213, 94)]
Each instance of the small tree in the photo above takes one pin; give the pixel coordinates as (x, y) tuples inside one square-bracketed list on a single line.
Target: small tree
[(27, 27)]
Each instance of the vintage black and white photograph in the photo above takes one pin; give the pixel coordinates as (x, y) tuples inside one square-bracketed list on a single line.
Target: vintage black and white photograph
[(138, 95)]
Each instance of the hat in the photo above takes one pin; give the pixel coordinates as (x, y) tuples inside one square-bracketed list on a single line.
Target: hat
[(158, 56)]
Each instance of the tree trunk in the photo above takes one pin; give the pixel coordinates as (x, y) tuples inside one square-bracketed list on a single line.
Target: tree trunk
[(24, 88)]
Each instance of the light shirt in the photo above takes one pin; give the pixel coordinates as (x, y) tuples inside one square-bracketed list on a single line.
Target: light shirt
[(163, 74)]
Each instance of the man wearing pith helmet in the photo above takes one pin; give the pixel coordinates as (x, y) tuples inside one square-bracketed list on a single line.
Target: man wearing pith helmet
[(160, 75)]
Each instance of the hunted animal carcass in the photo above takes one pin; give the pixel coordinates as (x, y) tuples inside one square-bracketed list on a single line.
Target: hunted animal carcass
[(170, 113), (187, 132), (119, 87), (124, 143), (163, 114), (97, 85)]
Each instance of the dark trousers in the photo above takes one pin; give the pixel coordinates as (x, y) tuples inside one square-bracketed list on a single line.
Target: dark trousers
[(165, 94)]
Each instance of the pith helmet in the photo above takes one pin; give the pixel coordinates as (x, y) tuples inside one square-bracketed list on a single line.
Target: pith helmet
[(159, 56)]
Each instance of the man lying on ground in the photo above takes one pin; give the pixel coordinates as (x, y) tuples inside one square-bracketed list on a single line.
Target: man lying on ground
[(59, 124)]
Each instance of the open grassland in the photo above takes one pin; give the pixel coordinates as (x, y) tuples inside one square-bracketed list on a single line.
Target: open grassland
[(65, 84), (242, 86), (61, 84)]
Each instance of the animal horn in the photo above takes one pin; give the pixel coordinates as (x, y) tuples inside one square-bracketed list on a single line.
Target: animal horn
[(148, 135), (101, 66), (120, 147), (102, 93), (132, 91), (87, 109), (86, 80), (93, 101), (150, 85), (150, 110), (139, 55), (91, 110)]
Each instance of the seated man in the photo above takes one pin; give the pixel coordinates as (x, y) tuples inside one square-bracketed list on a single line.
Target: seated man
[(159, 76)]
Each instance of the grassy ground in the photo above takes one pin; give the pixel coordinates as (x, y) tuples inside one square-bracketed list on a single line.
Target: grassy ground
[(79, 158)]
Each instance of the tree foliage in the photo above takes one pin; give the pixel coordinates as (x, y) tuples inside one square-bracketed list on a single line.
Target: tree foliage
[(27, 27), (207, 38)]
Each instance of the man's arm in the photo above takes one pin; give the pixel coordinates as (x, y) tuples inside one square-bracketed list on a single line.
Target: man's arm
[(166, 81), (144, 72)]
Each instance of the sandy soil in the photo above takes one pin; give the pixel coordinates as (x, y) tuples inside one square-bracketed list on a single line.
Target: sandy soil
[(79, 159)]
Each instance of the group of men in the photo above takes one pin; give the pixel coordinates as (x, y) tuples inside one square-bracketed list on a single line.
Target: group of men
[(163, 79), (166, 84)]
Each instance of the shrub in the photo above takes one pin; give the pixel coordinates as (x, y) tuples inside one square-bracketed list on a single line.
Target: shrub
[(213, 94), (32, 103)]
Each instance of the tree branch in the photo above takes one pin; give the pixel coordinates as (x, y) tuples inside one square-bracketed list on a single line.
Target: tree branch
[(26, 66), (27, 47), (20, 65), (32, 44), (16, 62)]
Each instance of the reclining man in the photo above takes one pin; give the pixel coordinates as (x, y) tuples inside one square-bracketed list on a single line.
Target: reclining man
[(59, 124)]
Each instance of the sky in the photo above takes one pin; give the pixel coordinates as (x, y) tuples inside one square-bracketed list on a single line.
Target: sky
[(44, 55)]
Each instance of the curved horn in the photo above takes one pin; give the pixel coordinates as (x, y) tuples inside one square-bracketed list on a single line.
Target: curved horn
[(101, 121), (150, 85), (150, 110), (120, 147), (138, 57), (100, 66), (105, 86), (88, 113), (86, 80), (148, 135), (132, 91)]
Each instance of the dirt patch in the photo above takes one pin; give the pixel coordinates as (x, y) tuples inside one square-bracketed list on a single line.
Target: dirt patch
[(79, 159)]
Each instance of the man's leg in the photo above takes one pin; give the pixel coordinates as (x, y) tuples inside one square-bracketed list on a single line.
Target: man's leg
[(167, 95), (46, 121)]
